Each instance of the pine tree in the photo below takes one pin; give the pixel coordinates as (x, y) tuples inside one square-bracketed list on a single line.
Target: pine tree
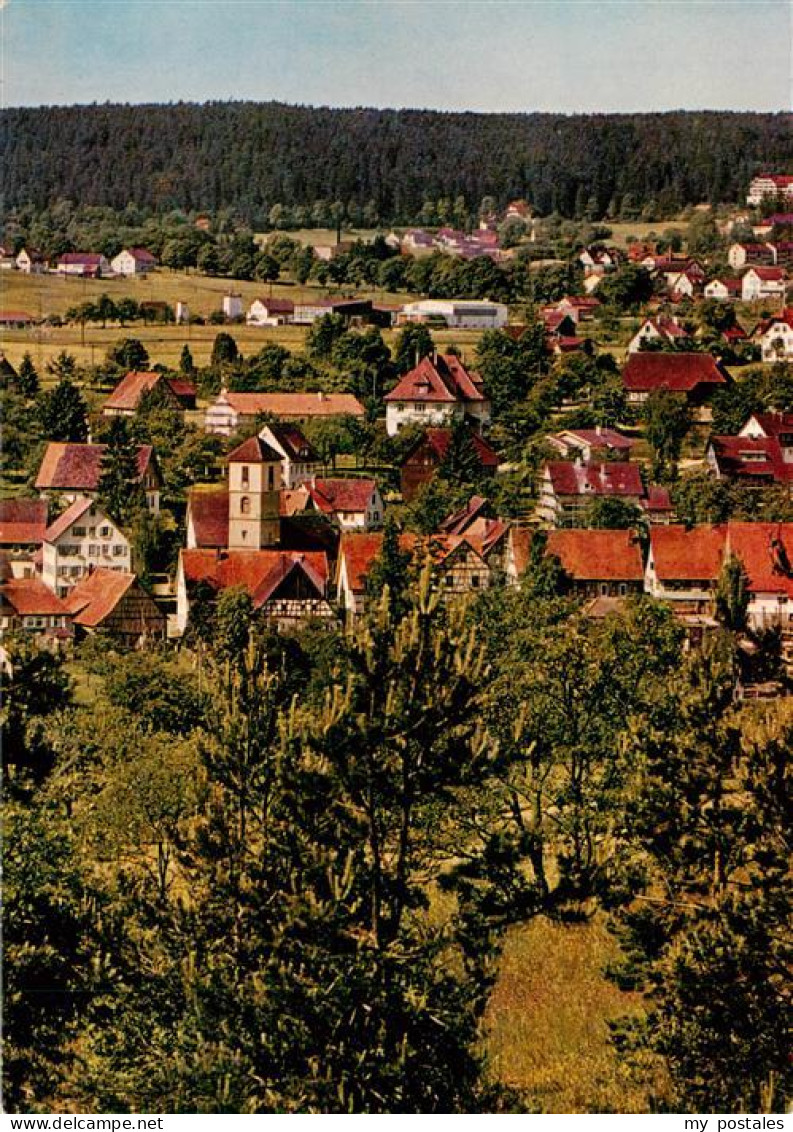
[(732, 594), (120, 489), (28, 378), (186, 363), (390, 570), (63, 413)]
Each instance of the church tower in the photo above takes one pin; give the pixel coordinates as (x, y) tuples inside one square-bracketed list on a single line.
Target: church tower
[(254, 493)]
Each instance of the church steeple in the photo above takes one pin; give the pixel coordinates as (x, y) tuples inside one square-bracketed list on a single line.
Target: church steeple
[(254, 491)]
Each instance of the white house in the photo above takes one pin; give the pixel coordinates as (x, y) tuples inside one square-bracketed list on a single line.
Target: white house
[(133, 261), (763, 283), (770, 185), (775, 336), (31, 262), (656, 330), (270, 312), (472, 314), (299, 461), (723, 289), (87, 264), (438, 391), (84, 536), (355, 504), (751, 255), (232, 305)]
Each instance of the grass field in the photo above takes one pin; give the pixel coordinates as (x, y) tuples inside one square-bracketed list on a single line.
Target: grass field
[(548, 1021)]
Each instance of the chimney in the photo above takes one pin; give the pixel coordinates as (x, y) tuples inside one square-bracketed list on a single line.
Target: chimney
[(320, 395)]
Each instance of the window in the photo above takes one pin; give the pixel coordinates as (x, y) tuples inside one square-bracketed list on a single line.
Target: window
[(79, 532), (93, 550), (420, 407), (245, 475), (475, 579), (118, 550), (270, 478), (623, 589), (245, 505), (449, 581), (604, 589), (105, 532)]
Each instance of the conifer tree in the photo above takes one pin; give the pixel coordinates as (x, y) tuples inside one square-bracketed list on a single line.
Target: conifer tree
[(28, 378), (63, 413), (120, 489)]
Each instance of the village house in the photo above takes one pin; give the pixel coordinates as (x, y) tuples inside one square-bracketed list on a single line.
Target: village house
[(724, 289), (599, 563), (438, 391), (658, 331), (16, 319), (763, 283), (751, 255), (299, 460), (133, 261), (232, 306), (695, 375), (566, 489), (584, 444), (27, 606), (775, 336), (754, 461), (485, 532), (684, 284), (580, 308), (683, 567), (770, 186), (598, 260), (783, 250), (284, 587), (473, 314), (89, 265), (22, 526), (422, 461), (231, 411), (417, 242), (355, 504), (73, 471), (115, 602), (31, 262), (270, 312), (125, 398), (83, 537)]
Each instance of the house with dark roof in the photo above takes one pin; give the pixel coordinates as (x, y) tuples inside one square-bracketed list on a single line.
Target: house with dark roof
[(355, 504), (115, 602), (90, 265), (566, 489), (658, 331), (763, 283), (126, 397), (79, 540), (270, 312), (284, 586), (300, 461), (70, 471), (755, 461), (695, 375), (133, 261), (422, 461), (587, 444), (438, 391)]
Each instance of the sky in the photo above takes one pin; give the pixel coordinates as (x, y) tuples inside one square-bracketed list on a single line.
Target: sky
[(489, 55)]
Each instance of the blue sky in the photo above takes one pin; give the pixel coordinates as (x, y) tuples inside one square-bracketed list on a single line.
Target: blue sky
[(556, 55)]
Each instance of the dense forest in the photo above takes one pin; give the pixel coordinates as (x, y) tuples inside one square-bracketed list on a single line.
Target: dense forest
[(382, 163)]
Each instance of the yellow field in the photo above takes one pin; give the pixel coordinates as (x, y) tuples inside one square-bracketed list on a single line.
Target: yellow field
[(547, 1021)]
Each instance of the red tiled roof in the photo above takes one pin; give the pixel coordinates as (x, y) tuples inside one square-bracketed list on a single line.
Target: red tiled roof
[(253, 451), (443, 378), (646, 371), (294, 443), (130, 389), (69, 516), (358, 551), (607, 438), (89, 259), (22, 521), (209, 514), (293, 404), (520, 539), (774, 424), (96, 596), (78, 467), (750, 458), (257, 571), (766, 551), (598, 555), (439, 438), (657, 499), (334, 495), (596, 479), (691, 555), (459, 521), (767, 274), (142, 255), (15, 316), (30, 597)]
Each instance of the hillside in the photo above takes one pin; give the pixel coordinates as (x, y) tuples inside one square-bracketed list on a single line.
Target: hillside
[(251, 156)]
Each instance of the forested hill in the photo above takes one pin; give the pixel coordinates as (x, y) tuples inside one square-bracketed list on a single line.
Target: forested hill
[(250, 156)]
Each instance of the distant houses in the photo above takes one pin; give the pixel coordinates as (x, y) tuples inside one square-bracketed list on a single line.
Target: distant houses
[(424, 458), (133, 261), (231, 411), (438, 391), (125, 399)]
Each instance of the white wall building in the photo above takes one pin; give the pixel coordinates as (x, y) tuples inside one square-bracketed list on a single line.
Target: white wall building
[(83, 537), (469, 315)]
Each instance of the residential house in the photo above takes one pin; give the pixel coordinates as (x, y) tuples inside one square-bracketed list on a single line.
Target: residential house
[(776, 425), (485, 532), (28, 606), (270, 312), (16, 319), (566, 489), (285, 587), (755, 461), (763, 283), (232, 306), (22, 526), (599, 260), (580, 308), (438, 391), (115, 602), (231, 411), (751, 255), (472, 314), (658, 331), (299, 460), (355, 504), (72, 471), (422, 460), (683, 568), (695, 375), (83, 537), (133, 261), (599, 563), (683, 284), (724, 289), (769, 186), (125, 398), (586, 444), (417, 242), (775, 336), (31, 262), (783, 250), (90, 265)]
